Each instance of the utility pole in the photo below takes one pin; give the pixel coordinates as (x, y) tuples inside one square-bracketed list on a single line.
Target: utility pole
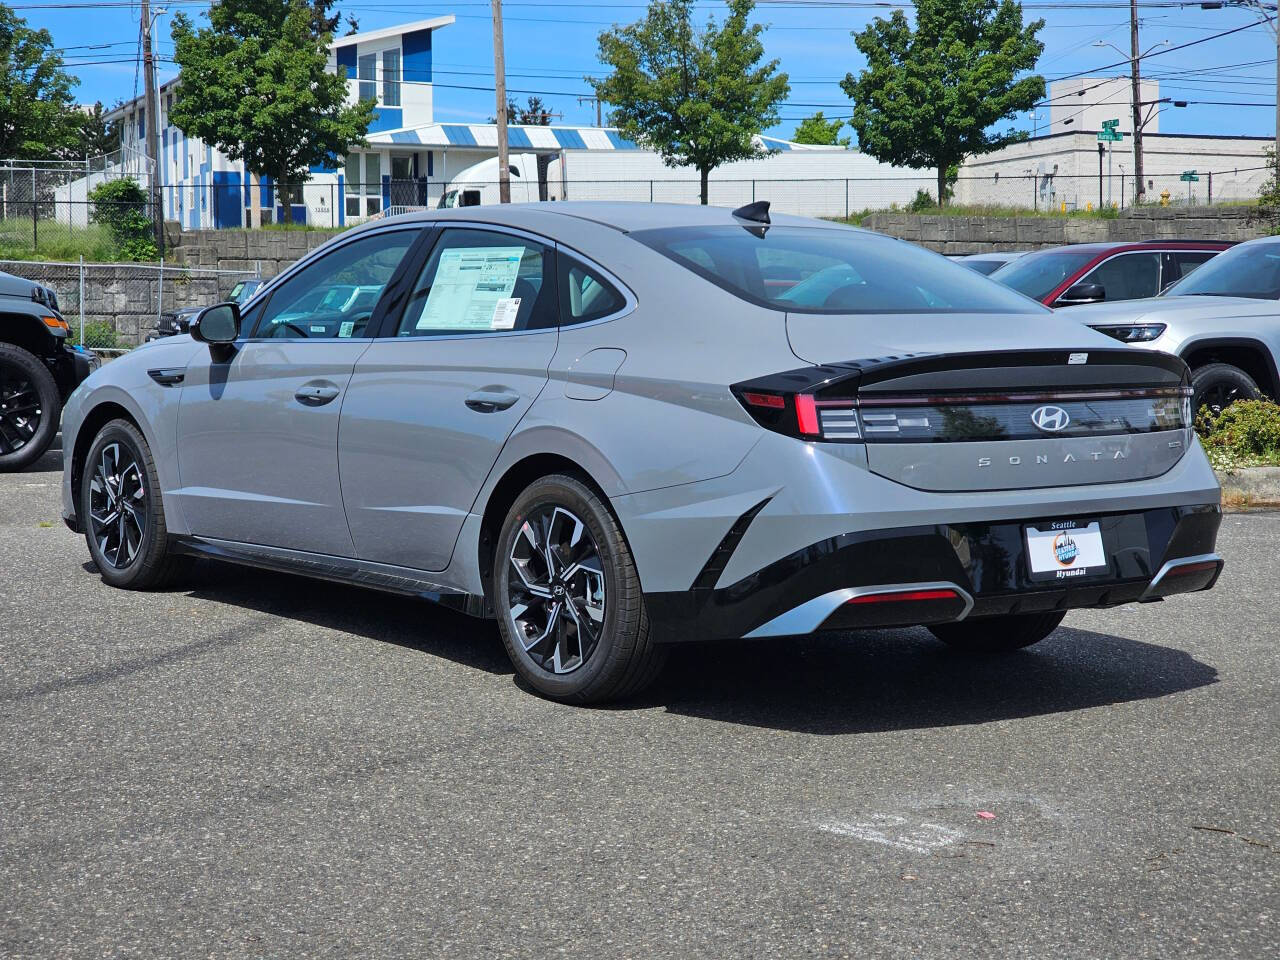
[(152, 124), (500, 91), (1136, 98), (596, 101)]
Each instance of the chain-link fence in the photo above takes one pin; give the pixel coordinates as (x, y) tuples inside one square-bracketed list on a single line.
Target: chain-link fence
[(50, 208), (113, 307), (329, 204)]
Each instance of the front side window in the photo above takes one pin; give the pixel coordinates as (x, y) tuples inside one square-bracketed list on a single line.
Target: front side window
[(817, 270), (480, 281), (1129, 276), (366, 73), (1038, 274), (335, 295), (1249, 270), (391, 78)]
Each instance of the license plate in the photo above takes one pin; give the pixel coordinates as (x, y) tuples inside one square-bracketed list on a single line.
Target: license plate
[(1065, 549)]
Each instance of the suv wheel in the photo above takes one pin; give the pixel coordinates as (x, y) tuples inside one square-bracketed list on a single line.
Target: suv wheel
[(122, 511), (30, 408), (1218, 385), (568, 597), (998, 634)]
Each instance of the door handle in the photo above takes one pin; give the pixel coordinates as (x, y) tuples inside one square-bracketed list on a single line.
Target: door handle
[(316, 394), (491, 401)]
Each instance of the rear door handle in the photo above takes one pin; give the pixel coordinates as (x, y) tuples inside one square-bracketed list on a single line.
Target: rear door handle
[(316, 394), (493, 400)]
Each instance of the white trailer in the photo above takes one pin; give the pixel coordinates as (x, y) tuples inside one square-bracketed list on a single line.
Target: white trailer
[(813, 181)]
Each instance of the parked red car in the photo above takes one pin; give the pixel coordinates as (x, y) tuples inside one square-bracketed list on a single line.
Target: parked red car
[(1094, 272)]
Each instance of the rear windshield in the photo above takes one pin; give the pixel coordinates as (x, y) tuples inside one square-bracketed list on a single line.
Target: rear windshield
[(1251, 270), (1038, 274), (817, 270)]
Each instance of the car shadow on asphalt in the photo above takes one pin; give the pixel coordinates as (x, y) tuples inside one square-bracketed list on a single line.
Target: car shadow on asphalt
[(837, 683), (883, 680)]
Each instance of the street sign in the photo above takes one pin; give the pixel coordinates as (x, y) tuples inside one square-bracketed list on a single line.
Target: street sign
[(1189, 176), (1109, 133)]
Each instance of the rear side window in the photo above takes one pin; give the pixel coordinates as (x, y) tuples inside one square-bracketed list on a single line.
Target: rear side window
[(817, 270), (585, 295), (481, 281), (1187, 262)]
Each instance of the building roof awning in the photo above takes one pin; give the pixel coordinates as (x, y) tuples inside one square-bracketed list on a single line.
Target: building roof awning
[(484, 136), (435, 23)]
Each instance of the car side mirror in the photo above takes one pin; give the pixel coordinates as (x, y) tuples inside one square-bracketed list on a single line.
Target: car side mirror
[(219, 327), (1082, 293)]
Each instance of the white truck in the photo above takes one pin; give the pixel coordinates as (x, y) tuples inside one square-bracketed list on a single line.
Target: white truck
[(477, 185)]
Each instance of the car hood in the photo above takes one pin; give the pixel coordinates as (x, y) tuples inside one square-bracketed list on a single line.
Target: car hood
[(1155, 309), (835, 338)]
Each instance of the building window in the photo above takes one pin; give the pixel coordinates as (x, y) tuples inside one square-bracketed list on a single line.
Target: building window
[(391, 78), (367, 69), (363, 185)]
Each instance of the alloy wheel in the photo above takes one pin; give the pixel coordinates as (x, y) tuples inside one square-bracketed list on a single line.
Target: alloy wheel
[(1220, 395), (118, 505), (556, 586), (20, 410)]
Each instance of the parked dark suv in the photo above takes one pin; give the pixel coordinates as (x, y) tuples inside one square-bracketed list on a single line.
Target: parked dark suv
[(173, 322), (1096, 272), (38, 370)]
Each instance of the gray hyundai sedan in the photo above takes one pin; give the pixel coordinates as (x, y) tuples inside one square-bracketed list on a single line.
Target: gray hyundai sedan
[(618, 426)]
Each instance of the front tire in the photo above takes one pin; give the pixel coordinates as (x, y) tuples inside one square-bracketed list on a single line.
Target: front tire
[(568, 598), (1218, 385), (998, 634), (123, 513), (30, 408)]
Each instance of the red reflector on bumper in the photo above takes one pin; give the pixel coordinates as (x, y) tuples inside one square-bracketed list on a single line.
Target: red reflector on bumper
[(907, 596), (1188, 568)]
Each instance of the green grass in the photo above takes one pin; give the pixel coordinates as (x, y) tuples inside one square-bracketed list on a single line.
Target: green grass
[(51, 240), (985, 210)]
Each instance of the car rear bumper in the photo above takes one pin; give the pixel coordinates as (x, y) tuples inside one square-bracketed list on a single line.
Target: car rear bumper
[(943, 573)]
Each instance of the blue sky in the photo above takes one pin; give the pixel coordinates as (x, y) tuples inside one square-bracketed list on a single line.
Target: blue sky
[(551, 46)]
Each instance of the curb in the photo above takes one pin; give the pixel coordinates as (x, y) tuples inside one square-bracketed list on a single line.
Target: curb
[(1250, 487)]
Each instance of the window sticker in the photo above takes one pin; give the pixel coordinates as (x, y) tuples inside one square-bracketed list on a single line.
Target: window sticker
[(505, 313), (470, 287), (344, 330)]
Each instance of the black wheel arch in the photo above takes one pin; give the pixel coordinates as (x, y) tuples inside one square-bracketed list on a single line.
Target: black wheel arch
[(93, 421), (26, 330), (1250, 355), (517, 477)]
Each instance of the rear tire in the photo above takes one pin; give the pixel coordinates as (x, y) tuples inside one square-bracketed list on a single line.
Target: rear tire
[(122, 511), (568, 598), (30, 408), (998, 634), (1218, 385)]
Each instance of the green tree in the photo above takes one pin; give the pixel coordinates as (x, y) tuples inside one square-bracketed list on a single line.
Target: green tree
[(534, 114), (37, 110), (96, 135), (696, 97), (256, 84), (818, 129), (929, 96)]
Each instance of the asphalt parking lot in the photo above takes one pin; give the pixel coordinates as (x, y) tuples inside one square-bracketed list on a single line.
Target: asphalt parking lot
[(257, 765)]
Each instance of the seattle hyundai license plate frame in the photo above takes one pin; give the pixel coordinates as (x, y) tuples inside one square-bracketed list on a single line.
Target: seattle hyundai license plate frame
[(1064, 550)]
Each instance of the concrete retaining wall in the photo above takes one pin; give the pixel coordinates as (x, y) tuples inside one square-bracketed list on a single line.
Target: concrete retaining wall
[(269, 251), (963, 235)]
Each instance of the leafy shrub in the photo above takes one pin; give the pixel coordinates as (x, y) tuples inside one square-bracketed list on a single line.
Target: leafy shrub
[(97, 333), (923, 201), (121, 206), (1245, 433)]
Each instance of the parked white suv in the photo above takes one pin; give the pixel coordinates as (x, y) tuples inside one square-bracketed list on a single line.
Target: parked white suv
[(1223, 320)]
